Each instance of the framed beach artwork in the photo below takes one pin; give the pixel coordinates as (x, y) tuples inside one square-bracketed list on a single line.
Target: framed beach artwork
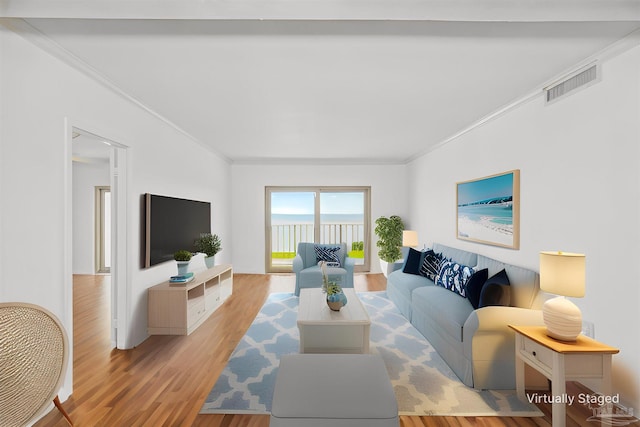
[(488, 210)]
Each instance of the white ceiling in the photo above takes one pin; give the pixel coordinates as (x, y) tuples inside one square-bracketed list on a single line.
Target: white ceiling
[(350, 91)]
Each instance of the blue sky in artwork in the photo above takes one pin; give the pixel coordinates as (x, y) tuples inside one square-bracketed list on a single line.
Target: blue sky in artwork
[(497, 186)]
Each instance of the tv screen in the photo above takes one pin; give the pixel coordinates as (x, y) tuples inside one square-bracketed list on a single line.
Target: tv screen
[(172, 224)]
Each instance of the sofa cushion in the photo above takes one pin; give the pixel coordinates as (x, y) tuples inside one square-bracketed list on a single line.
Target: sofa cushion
[(457, 255), (454, 277), (313, 275), (525, 284), (404, 284), (328, 254), (448, 310), (413, 262), (474, 286)]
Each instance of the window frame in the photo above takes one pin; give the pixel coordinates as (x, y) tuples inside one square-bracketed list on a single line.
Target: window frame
[(366, 190), (100, 237)]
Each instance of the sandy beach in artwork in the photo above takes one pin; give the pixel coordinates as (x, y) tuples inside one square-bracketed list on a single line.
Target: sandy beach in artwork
[(486, 230)]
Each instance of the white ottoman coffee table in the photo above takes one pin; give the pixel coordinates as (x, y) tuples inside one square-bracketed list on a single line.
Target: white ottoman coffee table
[(333, 390), (326, 331)]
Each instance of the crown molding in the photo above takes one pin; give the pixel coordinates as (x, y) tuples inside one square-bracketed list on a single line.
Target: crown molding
[(299, 161), (436, 10), (631, 41), (31, 34)]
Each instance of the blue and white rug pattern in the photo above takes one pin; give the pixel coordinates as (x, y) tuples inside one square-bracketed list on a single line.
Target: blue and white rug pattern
[(423, 383)]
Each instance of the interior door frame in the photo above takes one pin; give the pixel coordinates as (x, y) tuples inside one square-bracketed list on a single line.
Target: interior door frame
[(120, 269)]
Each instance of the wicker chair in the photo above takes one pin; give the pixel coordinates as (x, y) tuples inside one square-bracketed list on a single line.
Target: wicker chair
[(33, 360)]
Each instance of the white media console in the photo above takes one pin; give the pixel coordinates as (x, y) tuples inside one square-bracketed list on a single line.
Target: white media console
[(178, 309)]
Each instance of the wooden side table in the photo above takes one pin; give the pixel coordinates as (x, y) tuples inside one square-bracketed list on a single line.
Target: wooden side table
[(560, 361)]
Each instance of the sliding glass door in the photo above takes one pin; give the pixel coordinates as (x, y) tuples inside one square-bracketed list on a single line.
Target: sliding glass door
[(314, 214), (292, 219)]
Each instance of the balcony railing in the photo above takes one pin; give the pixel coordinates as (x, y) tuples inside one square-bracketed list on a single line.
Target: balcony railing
[(285, 239)]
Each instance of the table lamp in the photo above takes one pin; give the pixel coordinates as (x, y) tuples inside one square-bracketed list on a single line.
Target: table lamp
[(562, 273), (409, 238)]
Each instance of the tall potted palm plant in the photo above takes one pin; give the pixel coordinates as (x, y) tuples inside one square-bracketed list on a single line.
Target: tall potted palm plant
[(389, 232)]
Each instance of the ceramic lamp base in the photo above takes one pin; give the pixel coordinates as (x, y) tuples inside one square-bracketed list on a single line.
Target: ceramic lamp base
[(562, 318)]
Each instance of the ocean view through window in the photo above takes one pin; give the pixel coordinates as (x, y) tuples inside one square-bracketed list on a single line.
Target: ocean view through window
[(323, 215)]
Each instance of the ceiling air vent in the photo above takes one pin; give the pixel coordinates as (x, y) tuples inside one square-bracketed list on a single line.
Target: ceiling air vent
[(581, 79)]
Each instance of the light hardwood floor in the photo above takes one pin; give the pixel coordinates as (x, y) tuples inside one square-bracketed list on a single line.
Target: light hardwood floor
[(164, 381)]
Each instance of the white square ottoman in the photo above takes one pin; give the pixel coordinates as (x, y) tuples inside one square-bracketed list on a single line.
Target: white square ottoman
[(333, 390)]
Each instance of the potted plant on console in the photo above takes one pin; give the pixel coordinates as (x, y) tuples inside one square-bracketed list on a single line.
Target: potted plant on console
[(182, 257), (209, 244), (389, 232)]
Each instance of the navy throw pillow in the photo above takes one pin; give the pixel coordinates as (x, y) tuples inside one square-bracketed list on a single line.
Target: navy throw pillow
[(431, 265), (328, 254), (454, 276), (474, 286), (413, 262), (496, 290)]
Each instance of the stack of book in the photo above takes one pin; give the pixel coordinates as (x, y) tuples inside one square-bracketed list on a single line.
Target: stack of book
[(182, 278)]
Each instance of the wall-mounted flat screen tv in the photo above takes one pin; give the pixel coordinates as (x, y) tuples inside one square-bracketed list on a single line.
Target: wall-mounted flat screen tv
[(172, 224)]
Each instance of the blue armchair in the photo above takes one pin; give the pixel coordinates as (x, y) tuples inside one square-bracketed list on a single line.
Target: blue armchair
[(308, 273)]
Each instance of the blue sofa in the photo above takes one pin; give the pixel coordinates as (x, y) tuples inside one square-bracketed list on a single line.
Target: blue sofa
[(476, 343), (308, 273)]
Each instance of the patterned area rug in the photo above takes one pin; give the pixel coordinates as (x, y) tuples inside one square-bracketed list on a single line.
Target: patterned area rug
[(423, 383)]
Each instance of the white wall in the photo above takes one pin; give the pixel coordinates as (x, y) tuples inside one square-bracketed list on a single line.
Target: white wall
[(579, 160), (86, 176), (388, 197), (41, 98)]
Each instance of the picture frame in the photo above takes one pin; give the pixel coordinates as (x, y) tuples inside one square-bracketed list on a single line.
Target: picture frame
[(488, 210)]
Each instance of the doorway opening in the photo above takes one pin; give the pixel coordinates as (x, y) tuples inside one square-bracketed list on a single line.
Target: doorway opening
[(99, 196)]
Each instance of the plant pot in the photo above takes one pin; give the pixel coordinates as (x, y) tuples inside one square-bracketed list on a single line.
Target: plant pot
[(387, 267), (210, 261), (336, 301), (183, 267), (335, 305)]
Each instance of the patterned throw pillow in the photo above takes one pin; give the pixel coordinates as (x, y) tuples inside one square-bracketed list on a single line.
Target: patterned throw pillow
[(431, 265), (330, 254), (454, 276)]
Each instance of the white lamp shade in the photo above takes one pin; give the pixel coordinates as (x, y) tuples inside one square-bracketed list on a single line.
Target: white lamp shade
[(563, 273), (409, 238)]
